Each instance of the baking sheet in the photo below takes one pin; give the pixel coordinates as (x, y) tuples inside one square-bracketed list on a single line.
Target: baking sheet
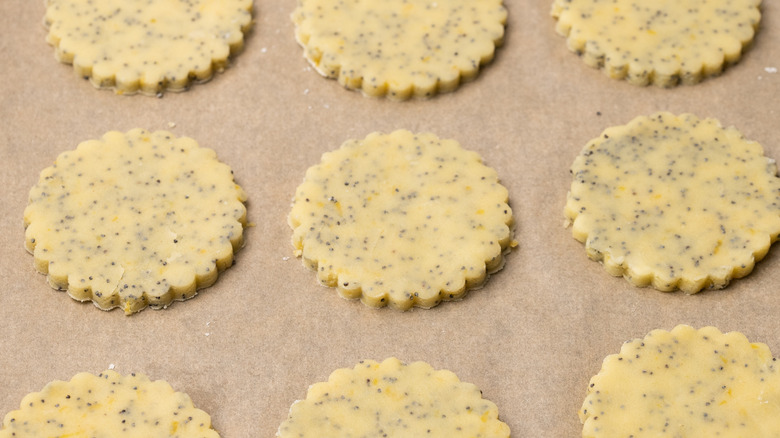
[(250, 345)]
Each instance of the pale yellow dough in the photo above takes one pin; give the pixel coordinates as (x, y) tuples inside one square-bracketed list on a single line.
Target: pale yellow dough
[(135, 219), (661, 42), (399, 48), (393, 399), (147, 46), (401, 219), (108, 405), (685, 383), (675, 202)]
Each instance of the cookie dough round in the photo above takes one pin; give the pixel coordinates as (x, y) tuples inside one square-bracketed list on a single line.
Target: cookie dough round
[(148, 47), (401, 219), (393, 399), (399, 48), (107, 405), (687, 382), (661, 42), (675, 202), (135, 219)]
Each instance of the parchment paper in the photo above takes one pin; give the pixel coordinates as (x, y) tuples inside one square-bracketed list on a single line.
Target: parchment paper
[(250, 345)]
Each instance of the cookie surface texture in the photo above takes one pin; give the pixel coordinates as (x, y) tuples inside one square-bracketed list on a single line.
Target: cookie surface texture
[(675, 202), (401, 219), (662, 42), (108, 405), (685, 383), (393, 399), (148, 47), (134, 219), (399, 48)]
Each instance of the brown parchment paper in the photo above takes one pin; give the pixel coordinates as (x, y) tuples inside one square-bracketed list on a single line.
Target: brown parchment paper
[(250, 345)]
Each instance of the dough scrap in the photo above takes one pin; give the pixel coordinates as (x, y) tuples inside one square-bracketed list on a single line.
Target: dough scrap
[(135, 219), (685, 383), (661, 42), (108, 405), (149, 47), (675, 202), (393, 399), (401, 219), (399, 48)]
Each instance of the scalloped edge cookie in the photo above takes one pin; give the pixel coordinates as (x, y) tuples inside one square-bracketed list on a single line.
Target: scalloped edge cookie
[(402, 219), (686, 382), (108, 404), (675, 202), (147, 48), (399, 49), (637, 43), (392, 398), (135, 219)]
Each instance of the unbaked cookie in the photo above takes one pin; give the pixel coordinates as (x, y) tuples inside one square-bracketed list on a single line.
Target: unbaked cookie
[(148, 47), (135, 219), (675, 202), (393, 399), (107, 405), (399, 48), (401, 219), (661, 42), (685, 383)]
